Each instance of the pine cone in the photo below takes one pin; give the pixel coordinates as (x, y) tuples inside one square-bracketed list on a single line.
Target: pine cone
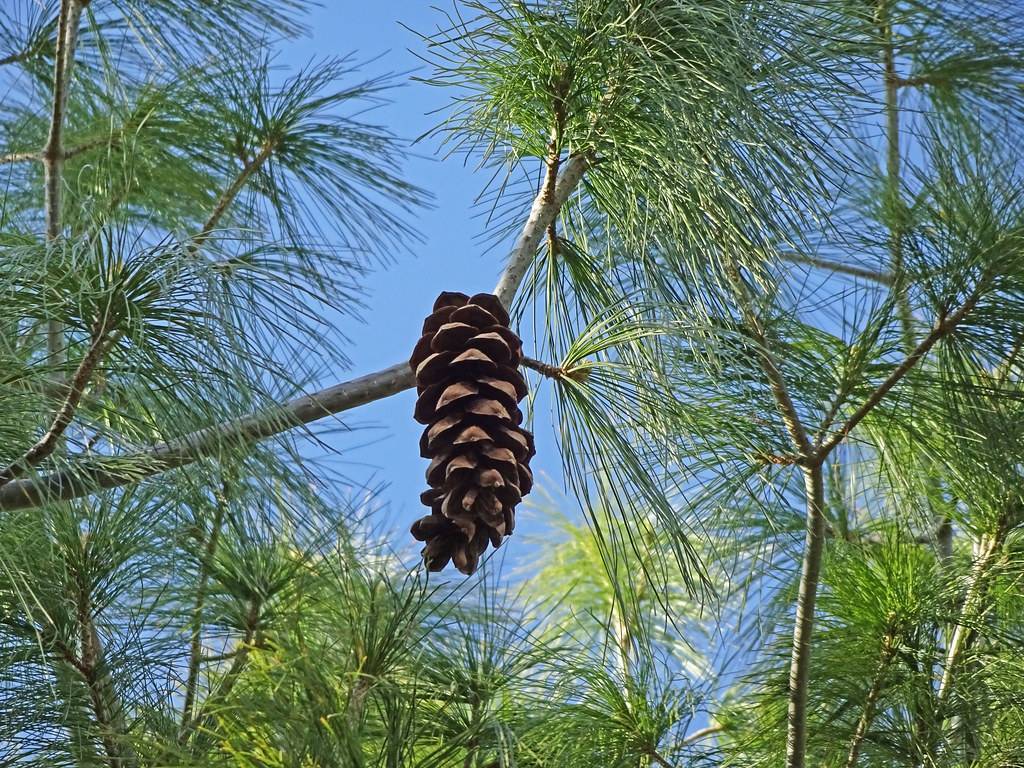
[(469, 386)]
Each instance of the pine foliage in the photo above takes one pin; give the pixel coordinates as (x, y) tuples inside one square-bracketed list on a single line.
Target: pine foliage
[(782, 314)]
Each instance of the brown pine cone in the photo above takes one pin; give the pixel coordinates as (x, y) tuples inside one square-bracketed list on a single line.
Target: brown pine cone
[(469, 386)]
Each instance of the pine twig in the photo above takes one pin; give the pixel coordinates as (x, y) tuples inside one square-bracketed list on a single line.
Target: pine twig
[(770, 366), (940, 330), (53, 152), (91, 664), (867, 714), (963, 634), (19, 157), (555, 371), (839, 267), (803, 625), (893, 162), (228, 197), (195, 641), (543, 212), (250, 640), (66, 413), (702, 734)]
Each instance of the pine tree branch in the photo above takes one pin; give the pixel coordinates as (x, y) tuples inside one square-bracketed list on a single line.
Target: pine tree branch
[(554, 371), (357, 701), (196, 639), (940, 330), (251, 639), (770, 366), (875, 276), (90, 475), (91, 663), (19, 157), (867, 714), (702, 734), (75, 151), (228, 197), (53, 152), (658, 759), (65, 414), (893, 174), (814, 542), (974, 595), (803, 625), (544, 211)]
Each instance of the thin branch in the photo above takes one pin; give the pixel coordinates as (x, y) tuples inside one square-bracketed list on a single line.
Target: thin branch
[(770, 366), (97, 474), (657, 758), (941, 329), (892, 165), (229, 195), (555, 371), (19, 157), (554, 158), (875, 276), (86, 146), (250, 639), (703, 733), (91, 664), (803, 625), (963, 633), (196, 640), (357, 701), (53, 152), (867, 714), (46, 444)]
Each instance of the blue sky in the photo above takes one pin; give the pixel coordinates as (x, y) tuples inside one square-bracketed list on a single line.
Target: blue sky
[(451, 257)]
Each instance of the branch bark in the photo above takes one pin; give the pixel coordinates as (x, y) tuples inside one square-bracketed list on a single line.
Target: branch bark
[(893, 171), (53, 152), (803, 625), (229, 195), (544, 211), (195, 641), (974, 596), (867, 714), (91, 664), (780, 390), (62, 419), (250, 640)]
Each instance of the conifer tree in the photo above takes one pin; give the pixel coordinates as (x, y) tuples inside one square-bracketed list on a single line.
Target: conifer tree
[(766, 257)]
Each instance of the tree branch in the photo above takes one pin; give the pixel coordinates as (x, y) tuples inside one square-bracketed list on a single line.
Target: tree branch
[(89, 476), (91, 664), (941, 329), (229, 195), (195, 642), (963, 634), (19, 157), (882, 278), (703, 733), (53, 152), (65, 414), (250, 639), (544, 211), (770, 366), (892, 166), (803, 625), (867, 714)]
